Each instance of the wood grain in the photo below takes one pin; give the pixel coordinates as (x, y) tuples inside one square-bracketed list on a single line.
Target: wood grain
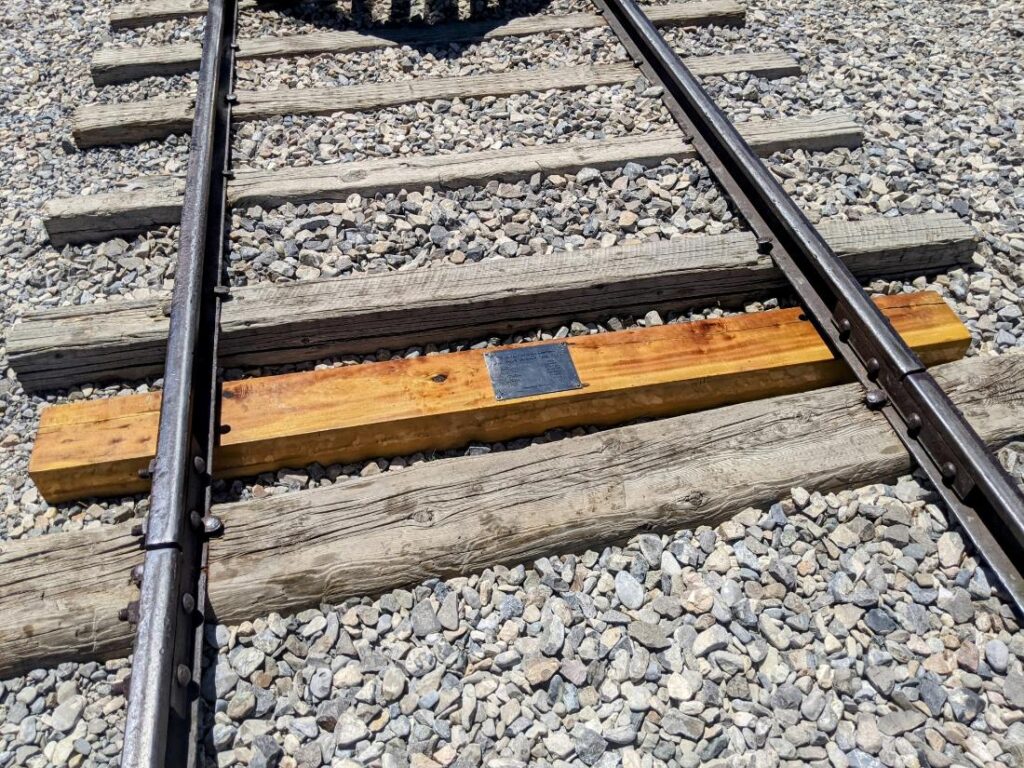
[(132, 122), (401, 407), (273, 323), (126, 213), (149, 12), (116, 64), (59, 594)]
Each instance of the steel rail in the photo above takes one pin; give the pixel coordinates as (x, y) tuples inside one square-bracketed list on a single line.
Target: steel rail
[(163, 704), (969, 479)]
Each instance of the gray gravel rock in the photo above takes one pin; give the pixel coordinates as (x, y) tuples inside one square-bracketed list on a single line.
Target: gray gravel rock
[(67, 714), (424, 619), (629, 591)]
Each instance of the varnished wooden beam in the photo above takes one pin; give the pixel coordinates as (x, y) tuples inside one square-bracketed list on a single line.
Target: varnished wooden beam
[(401, 407)]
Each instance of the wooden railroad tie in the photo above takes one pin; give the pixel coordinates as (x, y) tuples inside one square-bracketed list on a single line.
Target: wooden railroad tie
[(433, 403), (153, 202), (722, 12), (287, 322), (97, 124), (60, 593), (114, 64)]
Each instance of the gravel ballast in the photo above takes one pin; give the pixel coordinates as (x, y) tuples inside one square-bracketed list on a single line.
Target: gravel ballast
[(851, 629)]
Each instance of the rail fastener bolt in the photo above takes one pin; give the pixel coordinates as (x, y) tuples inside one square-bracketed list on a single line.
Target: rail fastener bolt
[(876, 399)]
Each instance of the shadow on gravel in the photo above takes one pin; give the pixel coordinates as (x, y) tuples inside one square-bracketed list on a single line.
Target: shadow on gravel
[(384, 14)]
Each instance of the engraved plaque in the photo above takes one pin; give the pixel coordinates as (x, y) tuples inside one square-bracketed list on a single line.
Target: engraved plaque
[(526, 371)]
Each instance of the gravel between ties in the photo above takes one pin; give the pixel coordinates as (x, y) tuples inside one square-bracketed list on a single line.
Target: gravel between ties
[(939, 105), (846, 629)]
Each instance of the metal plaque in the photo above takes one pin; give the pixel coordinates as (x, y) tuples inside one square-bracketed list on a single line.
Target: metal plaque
[(526, 371)]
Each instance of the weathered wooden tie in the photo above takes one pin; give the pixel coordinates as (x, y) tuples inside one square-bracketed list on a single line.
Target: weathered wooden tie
[(132, 122), (400, 407), (118, 64), (144, 14), (274, 323), (128, 212), (60, 594)]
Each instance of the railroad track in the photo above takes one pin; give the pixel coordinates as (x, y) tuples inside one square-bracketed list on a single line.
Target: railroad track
[(730, 374)]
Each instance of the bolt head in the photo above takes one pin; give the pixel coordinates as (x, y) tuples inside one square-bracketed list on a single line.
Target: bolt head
[(876, 399)]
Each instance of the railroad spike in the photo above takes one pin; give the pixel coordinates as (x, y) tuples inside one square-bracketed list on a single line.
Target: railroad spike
[(213, 525), (137, 574), (130, 613), (121, 687)]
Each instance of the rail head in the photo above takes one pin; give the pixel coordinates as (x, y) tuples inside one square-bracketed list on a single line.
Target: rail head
[(162, 722)]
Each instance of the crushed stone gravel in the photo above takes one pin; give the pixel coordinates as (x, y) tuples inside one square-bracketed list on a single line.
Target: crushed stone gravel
[(840, 629)]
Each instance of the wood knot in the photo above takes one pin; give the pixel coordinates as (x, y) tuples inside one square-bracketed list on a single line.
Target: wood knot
[(694, 499), (423, 516), (440, 378)]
